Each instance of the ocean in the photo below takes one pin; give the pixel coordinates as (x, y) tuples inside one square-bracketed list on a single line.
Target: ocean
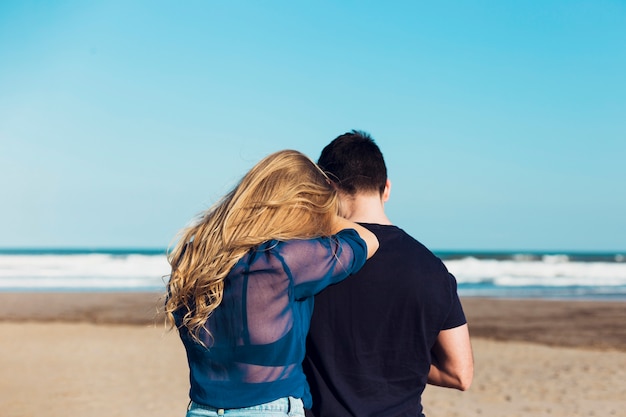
[(553, 275)]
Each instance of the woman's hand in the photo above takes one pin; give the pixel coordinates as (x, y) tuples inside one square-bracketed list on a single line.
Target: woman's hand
[(370, 239)]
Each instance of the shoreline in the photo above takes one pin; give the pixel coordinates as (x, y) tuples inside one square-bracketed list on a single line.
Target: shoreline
[(579, 324), (588, 324)]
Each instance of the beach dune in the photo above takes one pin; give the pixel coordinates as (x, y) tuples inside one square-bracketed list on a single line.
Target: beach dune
[(109, 354)]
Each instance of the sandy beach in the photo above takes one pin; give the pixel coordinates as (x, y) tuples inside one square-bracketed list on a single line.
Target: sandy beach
[(108, 354)]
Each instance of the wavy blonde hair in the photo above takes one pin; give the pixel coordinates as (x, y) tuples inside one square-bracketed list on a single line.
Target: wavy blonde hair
[(284, 196)]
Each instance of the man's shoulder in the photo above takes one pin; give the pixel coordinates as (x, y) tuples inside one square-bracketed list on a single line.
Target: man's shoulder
[(396, 237)]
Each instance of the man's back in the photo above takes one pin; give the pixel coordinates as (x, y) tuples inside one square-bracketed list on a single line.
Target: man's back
[(368, 350)]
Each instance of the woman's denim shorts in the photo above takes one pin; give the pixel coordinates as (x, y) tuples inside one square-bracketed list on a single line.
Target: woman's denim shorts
[(281, 407)]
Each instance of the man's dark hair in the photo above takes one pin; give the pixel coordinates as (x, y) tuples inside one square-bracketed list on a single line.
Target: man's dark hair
[(355, 163)]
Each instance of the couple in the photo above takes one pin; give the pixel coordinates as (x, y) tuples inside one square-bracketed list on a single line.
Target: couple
[(245, 276)]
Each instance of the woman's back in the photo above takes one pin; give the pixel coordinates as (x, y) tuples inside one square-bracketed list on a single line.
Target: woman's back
[(256, 343)]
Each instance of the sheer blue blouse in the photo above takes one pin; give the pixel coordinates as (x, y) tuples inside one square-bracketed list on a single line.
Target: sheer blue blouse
[(259, 330)]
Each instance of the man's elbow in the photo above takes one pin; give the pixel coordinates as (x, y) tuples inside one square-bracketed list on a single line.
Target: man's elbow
[(460, 379), (465, 378), (465, 384)]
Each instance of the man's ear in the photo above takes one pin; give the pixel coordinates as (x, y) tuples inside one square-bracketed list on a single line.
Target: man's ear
[(387, 191)]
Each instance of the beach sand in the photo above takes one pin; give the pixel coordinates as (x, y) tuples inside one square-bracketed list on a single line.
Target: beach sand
[(108, 354)]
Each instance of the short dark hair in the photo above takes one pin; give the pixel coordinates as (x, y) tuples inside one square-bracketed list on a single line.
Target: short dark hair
[(355, 163)]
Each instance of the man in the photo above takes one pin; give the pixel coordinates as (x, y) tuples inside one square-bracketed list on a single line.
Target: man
[(380, 336)]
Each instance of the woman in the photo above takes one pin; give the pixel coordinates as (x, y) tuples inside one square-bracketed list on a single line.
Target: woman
[(242, 284)]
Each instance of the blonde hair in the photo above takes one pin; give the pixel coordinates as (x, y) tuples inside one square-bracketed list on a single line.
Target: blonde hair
[(284, 196)]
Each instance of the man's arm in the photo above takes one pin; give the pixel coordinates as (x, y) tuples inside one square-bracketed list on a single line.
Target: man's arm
[(452, 359)]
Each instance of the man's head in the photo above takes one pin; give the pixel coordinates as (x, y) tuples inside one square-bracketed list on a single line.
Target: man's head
[(355, 163)]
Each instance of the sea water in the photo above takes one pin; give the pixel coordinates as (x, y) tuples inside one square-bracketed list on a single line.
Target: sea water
[(83, 270), (539, 275), (504, 275)]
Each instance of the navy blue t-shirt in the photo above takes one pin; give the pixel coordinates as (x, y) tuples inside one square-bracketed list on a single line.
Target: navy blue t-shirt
[(368, 350), (258, 332)]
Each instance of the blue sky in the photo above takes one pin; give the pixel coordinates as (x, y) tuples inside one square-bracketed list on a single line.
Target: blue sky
[(503, 123)]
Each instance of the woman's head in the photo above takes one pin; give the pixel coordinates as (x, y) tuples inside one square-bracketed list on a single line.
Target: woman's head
[(284, 196)]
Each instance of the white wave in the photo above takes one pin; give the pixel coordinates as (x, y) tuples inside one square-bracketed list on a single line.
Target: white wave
[(555, 271), (95, 271), (136, 271)]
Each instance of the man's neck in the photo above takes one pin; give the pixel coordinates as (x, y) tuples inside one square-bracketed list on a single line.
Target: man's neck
[(364, 208)]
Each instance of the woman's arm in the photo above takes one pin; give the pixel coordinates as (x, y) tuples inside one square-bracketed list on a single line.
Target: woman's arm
[(370, 239)]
